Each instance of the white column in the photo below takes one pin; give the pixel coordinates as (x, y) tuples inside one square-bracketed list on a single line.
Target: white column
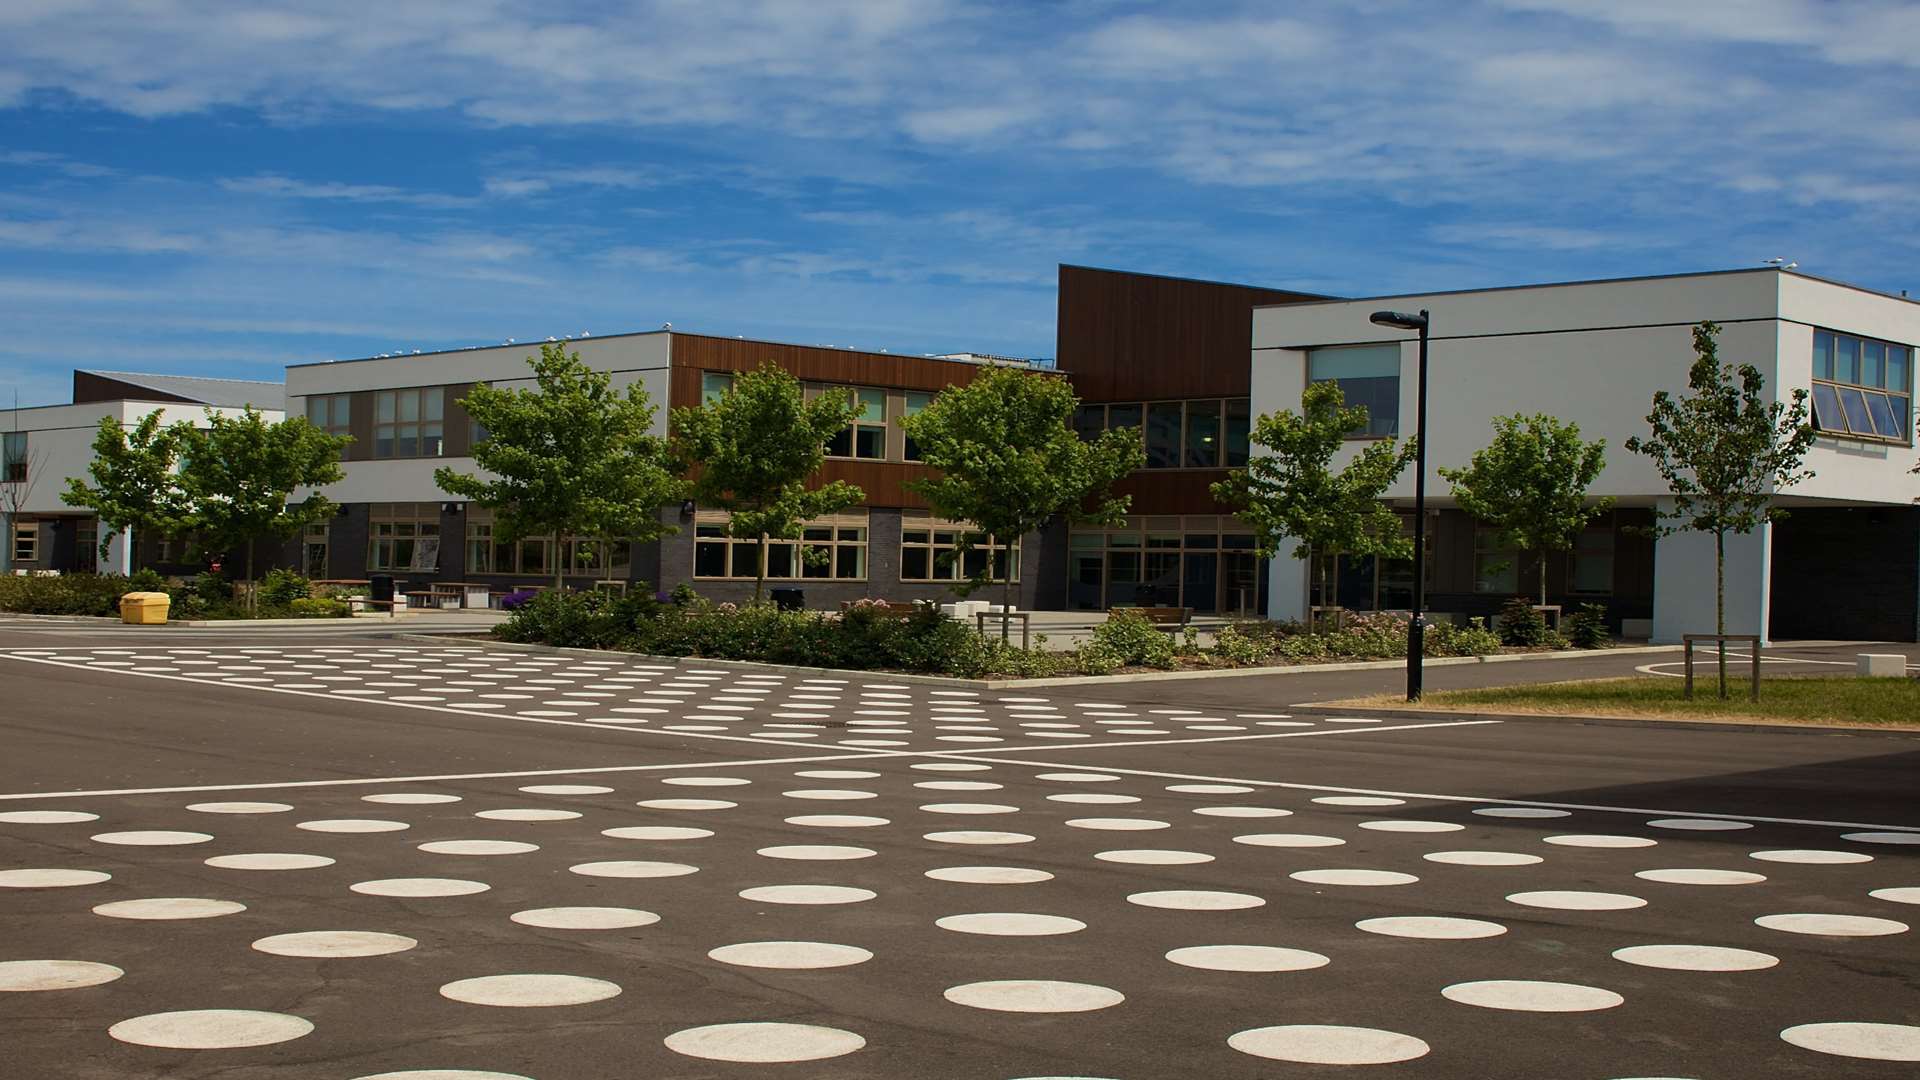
[(1683, 584), (119, 558), (1287, 584)]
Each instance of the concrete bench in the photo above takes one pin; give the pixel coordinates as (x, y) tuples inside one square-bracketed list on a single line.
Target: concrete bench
[(1883, 665)]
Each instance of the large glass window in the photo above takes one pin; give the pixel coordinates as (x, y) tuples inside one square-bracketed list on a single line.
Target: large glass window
[(1592, 569), (1200, 561), (404, 536), (1163, 435), (409, 423), (715, 385), (1367, 375), (314, 550), (1861, 387), (833, 548), (1203, 435), (915, 403), (333, 414), (866, 436), (1206, 433), (26, 541), (1239, 431), (930, 551), (1496, 569), (13, 457)]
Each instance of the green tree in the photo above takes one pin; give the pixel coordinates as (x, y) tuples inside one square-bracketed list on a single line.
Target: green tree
[(1294, 492), (1006, 458), (1530, 483), (239, 472), (135, 484), (1724, 450), (752, 451), (571, 457)]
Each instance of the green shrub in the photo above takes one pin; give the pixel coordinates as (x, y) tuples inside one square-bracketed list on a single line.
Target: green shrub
[(1132, 637), (1241, 646), (1522, 626), (564, 619), (65, 594), (1473, 639), (146, 581), (317, 607), (281, 587), (1587, 627)]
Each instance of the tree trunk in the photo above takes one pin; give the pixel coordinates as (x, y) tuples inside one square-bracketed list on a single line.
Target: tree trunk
[(1720, 602), (1543, 577), (559, 561), (760, 572), (253, 594)]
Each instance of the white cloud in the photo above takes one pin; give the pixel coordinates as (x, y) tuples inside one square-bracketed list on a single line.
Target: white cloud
[(286, 187)]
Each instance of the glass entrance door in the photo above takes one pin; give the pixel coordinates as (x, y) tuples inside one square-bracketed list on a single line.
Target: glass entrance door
[(1201, 582)]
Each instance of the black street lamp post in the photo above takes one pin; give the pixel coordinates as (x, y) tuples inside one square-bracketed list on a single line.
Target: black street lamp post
[(1416, 628)]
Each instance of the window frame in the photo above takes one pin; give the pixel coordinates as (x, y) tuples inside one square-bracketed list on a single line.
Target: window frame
[(16, 453), (1231, 448), (988, 551), (423, 409), (1835, 354), (849, 537), (1486, 544), (1369, 433), (26, 537)]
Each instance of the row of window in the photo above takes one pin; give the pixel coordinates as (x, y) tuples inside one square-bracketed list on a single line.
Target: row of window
[(876, 415), (1861, 387), (1496, 570), (1209, 433), (837, 549)]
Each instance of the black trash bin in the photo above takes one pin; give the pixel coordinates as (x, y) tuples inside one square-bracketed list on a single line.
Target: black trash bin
[(380, 590), (789, 599)]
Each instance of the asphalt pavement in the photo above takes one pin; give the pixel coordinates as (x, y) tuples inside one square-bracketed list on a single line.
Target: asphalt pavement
[(347, 856)]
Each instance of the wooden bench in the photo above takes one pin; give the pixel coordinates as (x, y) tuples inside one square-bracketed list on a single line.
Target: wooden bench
[(1162, 618)]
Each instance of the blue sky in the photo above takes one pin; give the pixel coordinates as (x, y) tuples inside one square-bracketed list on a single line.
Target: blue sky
[(218, 188)]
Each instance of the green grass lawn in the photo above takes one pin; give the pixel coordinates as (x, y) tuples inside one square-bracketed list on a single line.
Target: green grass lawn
[(1880, 702)]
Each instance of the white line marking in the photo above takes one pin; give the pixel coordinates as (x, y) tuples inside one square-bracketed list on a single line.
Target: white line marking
[(1221, 738)]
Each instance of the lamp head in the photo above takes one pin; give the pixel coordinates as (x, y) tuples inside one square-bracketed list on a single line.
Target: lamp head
[(1399, 320)]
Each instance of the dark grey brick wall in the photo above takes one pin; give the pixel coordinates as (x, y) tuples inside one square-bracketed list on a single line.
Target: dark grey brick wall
[(1847, 574)]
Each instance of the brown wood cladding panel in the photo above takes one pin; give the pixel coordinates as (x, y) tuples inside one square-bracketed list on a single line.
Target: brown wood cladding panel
[(881, 480), (90, 387), (1173, 492), (1124, 336), (360, 425), (693, 353)]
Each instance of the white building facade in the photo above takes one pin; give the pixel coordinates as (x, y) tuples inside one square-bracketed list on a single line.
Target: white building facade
[(1844, 563)]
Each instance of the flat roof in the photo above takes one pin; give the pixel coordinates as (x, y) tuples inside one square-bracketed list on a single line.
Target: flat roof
[(1602, 281), (1197, 281), (647, 333)]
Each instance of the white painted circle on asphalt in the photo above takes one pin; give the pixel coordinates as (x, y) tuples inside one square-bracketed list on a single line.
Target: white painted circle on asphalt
[(790, 955), (419, 887), (1812, 857), (410, 798), (210, 1029), (32, 975), (1118, 824), (1483, 858), (764, 1043), (1010, 924), (1412, 826), (1695, 958), (1686, 875), (1359, 800), (1522, 812), (1247, 958), (1431, 927), (240, 807), (818, 852), (838, 821), (1353, 877), (1597, 840), (1242, 811), (50, 878), (353, 825), (632, 868), (1877, 1042), (1577, 900), (1034, 996), (49, 817), (978, 836), (686, 804), (528, 813), (529, 991), (478, 847), (1902, 895), (1288, 840), (1093, 798), (989, 875), (1831, 925), (169, 907), (656, 832), (335, 943), (443, 1074), (152, 838), (566, 789), (1153, 857), (1327, 1044), (1907, 838), (1195, 900), (1529, 995), (807, 894), (1700, 824), (585, 918)]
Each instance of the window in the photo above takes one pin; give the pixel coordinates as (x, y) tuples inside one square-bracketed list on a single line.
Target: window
[(534, 556), (333, 414), (1592, 569), (1239, 431), (1208, 433), (408, 423), (830, 548), (1163, 435), (930, 551), (866, 437), (1199, 561), (1496, 569), (404, 536), (13, 457), (26, 541), (715, 385), (480, 547), (314, 545), (1203, 435), (1089, 421), (1861, 387), (1368, 375), (86, 547), (916, 402)]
